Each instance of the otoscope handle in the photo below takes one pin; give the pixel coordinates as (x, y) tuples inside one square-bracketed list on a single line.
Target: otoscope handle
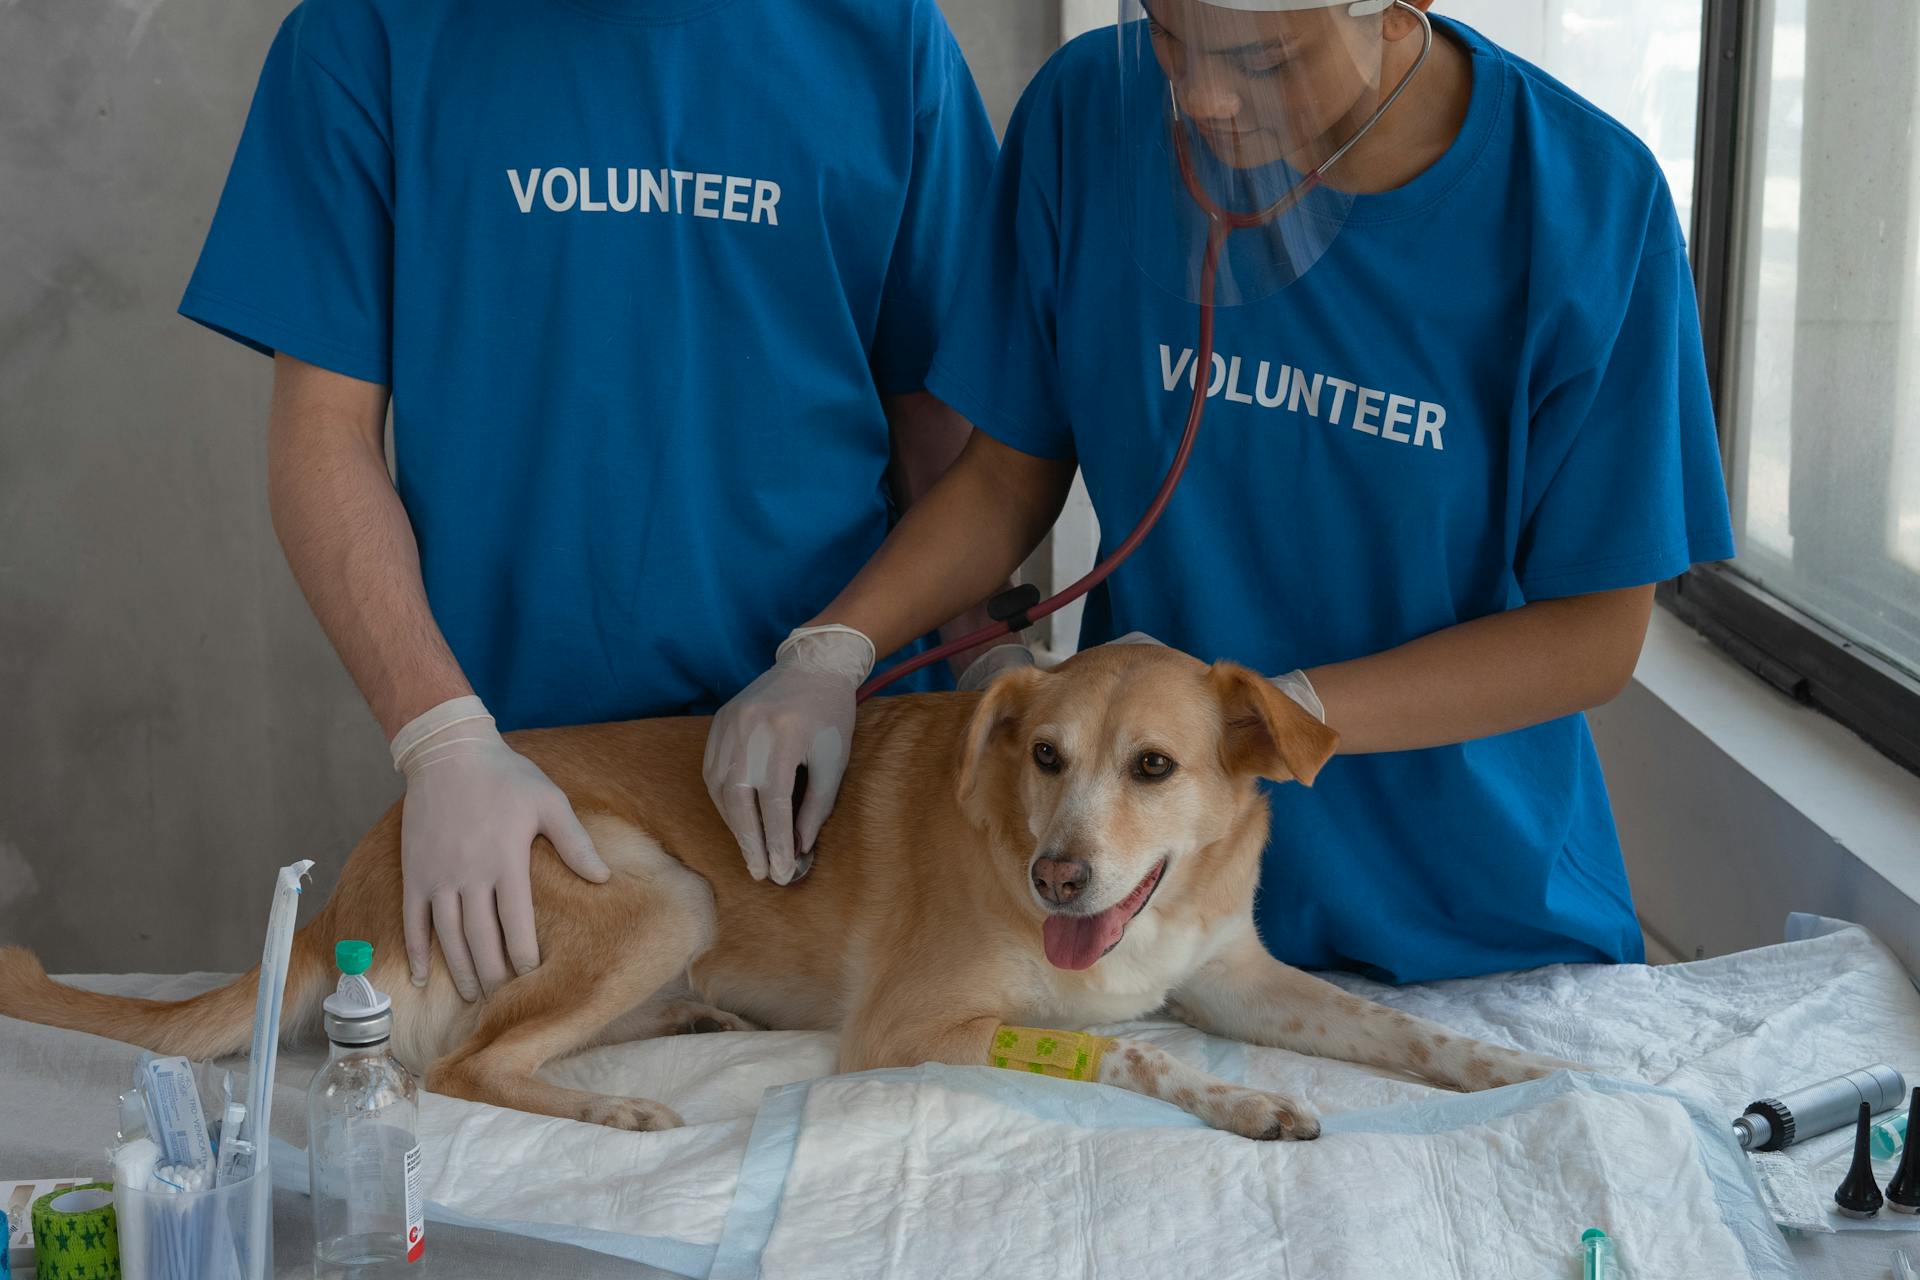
[(1772, 1124)]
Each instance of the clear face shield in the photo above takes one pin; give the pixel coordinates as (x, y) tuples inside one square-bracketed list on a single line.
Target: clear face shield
[(1232, 114)]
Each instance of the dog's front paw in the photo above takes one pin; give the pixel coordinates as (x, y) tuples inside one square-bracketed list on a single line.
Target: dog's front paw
[(637, 1115), (1264, 1117)]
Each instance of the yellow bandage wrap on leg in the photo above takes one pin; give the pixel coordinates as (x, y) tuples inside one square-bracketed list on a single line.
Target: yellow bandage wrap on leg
[(1064, 1055)]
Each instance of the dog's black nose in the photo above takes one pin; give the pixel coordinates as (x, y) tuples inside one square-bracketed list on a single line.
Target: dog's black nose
[(1060, 880)]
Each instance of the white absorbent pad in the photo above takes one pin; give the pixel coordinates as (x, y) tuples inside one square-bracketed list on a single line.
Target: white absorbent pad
[(842, 1160), (935, 1171)]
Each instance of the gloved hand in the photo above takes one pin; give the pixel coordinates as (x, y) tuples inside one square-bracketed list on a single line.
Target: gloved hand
[(473, 808), (799, 712), (1002, 657), (1293, 683)]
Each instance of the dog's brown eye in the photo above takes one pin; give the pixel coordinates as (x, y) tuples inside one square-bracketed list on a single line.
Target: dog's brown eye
[(1153, 766), (1046, 757)]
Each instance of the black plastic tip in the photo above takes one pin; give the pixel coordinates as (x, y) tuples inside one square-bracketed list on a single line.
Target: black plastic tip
[(1011, 606), (1859, 1196), (1903, 1193)]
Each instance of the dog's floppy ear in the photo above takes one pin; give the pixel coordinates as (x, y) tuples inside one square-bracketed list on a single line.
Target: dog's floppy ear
[(1265, 732), (999, 708)]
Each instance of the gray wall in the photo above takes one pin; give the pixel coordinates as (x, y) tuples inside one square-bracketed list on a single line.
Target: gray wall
[(175, 723), (1005, 41)]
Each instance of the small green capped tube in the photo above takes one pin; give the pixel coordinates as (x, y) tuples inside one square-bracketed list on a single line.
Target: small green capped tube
[(1598, 1259), (1889, 1136)]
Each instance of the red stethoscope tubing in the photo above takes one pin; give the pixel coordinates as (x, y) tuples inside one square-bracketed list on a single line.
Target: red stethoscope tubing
[(1220, 224)]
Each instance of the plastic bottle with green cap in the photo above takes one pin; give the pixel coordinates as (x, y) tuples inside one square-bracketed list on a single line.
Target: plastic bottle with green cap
[(363, 1158)]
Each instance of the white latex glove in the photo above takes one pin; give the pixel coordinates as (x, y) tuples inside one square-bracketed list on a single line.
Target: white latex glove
[(1002, 657), (799, 712), (473, 808), (1293, 683)]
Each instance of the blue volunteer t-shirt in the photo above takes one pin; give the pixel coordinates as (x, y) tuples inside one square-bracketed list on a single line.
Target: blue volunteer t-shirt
[(638, 273), (1489, 391)]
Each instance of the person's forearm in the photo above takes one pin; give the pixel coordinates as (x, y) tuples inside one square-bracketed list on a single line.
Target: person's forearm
[(928, 438), (956, 546), (348, 542), (1492, 675)]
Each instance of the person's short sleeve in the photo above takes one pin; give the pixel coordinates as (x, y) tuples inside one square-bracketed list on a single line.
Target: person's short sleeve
[(299, 257), (953, 151), (1623, 481), (997, 364)]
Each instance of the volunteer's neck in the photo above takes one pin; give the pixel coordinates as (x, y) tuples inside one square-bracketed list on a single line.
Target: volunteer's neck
[(1418, 129)]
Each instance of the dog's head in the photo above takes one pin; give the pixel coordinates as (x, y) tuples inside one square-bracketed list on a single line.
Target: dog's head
[(1125, 769)]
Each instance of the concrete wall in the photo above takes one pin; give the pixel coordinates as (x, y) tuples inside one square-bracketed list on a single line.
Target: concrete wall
[(1005, 41), (175, 725)]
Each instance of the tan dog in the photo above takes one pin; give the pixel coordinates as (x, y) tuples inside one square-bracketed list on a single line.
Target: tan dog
[(1069, 848)]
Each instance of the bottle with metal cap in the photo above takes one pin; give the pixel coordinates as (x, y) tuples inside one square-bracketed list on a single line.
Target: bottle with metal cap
[(362, 1154)]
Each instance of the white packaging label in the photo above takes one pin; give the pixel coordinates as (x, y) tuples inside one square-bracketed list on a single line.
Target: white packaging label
[(416, 1211)]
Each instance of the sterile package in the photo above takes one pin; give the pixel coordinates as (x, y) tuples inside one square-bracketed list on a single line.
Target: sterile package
[(175, 1118)]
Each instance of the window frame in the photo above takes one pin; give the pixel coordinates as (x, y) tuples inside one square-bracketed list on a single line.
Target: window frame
[(1795, 653)]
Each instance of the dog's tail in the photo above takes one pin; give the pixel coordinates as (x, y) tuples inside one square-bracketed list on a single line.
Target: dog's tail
[(211, 1025)]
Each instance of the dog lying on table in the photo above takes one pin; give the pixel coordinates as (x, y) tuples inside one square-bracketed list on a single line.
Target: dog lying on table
[(1068, 848)]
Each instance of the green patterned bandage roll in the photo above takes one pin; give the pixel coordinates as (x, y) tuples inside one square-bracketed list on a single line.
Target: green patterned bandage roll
[(1064, 1055)]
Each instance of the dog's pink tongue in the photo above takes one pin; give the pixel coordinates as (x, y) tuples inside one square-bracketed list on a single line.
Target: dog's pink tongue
[(1076, 942)]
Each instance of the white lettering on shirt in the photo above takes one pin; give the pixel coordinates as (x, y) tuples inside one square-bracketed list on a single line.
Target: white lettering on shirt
[(738, 191), (706, 190), (1397, 411), (1295, 391), (1300, 393), (719, 196), (587, 203), (1365, 405), (573, 190), (613, 190), (524, 195), (1280, 388), (1169, 371), (1340, 388), (653, 191), (1234, 393), (765, 196), (1432, 418)]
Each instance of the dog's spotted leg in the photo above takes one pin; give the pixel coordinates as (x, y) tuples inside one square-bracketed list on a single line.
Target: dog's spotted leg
[(984, 1040), (1251, 1113), (1246, 994)]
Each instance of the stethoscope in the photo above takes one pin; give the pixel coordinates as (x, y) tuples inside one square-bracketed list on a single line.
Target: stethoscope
[(1016, 610)]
